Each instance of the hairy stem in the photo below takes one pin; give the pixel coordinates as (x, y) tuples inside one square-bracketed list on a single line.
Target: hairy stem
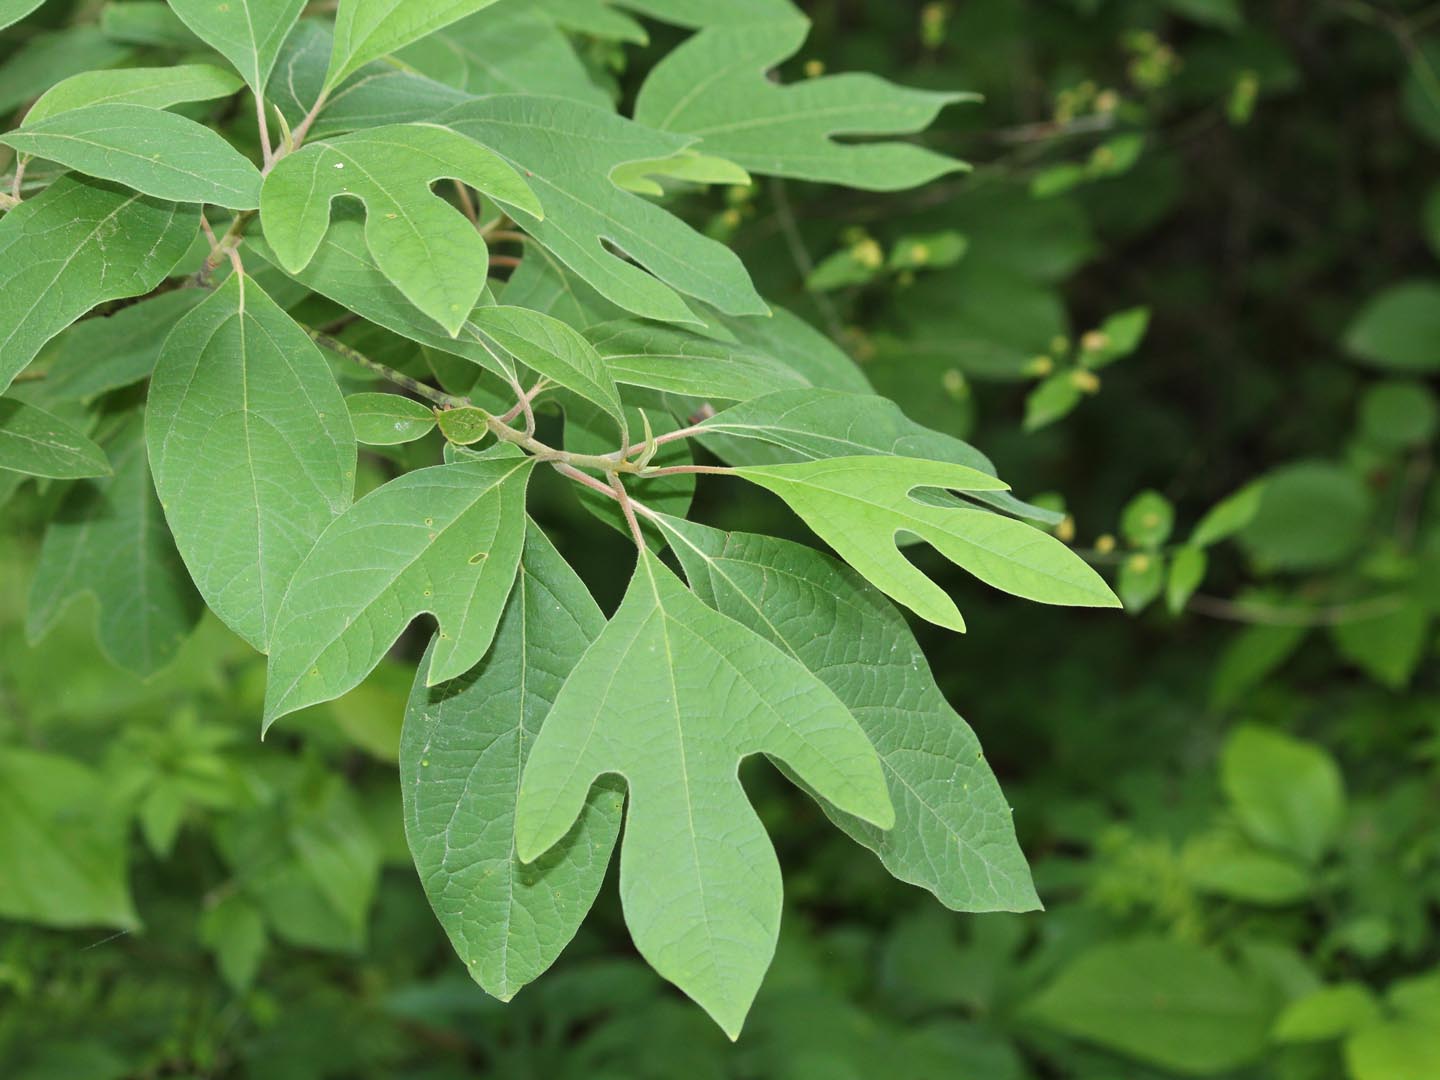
[(399, 378)]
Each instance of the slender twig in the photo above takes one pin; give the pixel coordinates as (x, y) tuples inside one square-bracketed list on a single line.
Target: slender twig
[(509, 262), (267, 152), (628, 510), (522, 399), (684, 470), (303, 128), (467, 204), (1268, 615), (587, 480), (8, 202), (668, 437), (399, 378), (19, 179), (526, 400)]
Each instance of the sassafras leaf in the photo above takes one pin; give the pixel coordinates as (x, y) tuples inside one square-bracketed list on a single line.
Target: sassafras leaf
[(568, 150), (426, 247), (109, 540), (507, 920), (37, 444), (388, 419), (248, 33), (155, 88), (671, 696), (715, 87), (953, 832), (157, 153), (366, 30), (251, 448), (75, 245), (858, 504), (444, 540)]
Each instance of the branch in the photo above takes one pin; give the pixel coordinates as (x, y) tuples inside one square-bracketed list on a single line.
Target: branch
[(399, 378)]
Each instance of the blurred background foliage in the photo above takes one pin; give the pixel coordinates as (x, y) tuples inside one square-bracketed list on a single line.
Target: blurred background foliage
[(1192, 284)]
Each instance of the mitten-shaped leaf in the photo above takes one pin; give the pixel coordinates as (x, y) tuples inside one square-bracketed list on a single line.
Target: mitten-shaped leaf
[(568, 150), (507, 920), (108, 540), (953, 832), (421, 243), (789, 130), (75, 245), (37, 444), (252, 451), (248, 33), (155, 152), (672, 696), (857, 505), (444, 540)]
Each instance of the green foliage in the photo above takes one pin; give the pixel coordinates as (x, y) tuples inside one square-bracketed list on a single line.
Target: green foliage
[(394, 339)]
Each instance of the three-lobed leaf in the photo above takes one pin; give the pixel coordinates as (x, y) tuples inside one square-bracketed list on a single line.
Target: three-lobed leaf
[(715, 87), (953, 832), (422, 244), (158, 153), (568, 150), (77, 244), (858, 505), (508, 920), (444, 540), (671, 696), (251, 448)]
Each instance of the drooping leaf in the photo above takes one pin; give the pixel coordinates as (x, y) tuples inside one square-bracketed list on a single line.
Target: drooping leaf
[(953, 832), (676, 361), (388, 419), (568, 150), (251, 448), (366, 30), (248, 33), (766, 128), (1311, 515), (158, 153), (1388, 647), (671, 696), (63, 844), (1175, 1005), (858, 504), (509, 48), (37, 444), (1400, 328), (75, 245), (109, 540), (550, 348), (234, 931), (507, 920), (422, 244), (444, 540), (806, 425), (154, 88)]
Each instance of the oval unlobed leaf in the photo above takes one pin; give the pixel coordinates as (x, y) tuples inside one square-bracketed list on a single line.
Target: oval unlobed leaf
[(248, 33), (858, 504), (158, 153), (444, 540), (388, 419), (77, 244), (671, 696), (366, 30), (109, 540), (507, 920), (421, 243), (251, 448), (154, 88), (35, 443)]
